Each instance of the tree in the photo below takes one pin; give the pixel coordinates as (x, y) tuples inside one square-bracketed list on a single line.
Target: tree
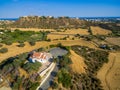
[(21, 45), (32, 43), (3, 50), (64, 78)]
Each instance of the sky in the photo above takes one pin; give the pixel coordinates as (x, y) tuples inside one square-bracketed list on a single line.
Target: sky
[(71, 8)]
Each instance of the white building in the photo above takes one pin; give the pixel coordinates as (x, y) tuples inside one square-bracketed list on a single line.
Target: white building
[(42, 57)]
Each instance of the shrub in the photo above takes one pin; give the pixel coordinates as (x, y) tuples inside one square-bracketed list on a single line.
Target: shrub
[(8, 43), (48, 40), (32, 67), (21, 45), (52, 45), (3, 50), (64, 78), (32, 43)]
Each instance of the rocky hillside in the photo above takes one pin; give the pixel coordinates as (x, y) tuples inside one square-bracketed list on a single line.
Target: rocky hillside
[(47, 22)]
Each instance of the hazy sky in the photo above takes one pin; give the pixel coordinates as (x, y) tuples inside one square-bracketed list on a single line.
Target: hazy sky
[(73, 8)]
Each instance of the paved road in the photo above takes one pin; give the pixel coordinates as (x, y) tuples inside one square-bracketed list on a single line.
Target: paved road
[(49, 80)]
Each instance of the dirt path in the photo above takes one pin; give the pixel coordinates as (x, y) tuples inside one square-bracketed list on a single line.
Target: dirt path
[(13, 50), (109, 74)]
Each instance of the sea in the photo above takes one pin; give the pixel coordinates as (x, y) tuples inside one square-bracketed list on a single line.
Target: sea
[(9, 19)]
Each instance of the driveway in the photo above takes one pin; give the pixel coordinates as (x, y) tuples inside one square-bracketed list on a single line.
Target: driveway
[(49, 80), (58, 52)]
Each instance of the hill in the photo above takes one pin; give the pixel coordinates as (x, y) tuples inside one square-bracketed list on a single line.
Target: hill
[(47, 22)]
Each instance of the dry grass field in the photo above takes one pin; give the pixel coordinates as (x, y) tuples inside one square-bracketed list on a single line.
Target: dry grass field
[(115, 41), (74, 31), (13, 50), (78, 65), (53, 37), (58, 37), (109, 74), (100, 31)]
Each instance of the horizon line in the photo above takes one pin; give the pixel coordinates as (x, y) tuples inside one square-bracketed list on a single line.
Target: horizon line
[(63, 16)]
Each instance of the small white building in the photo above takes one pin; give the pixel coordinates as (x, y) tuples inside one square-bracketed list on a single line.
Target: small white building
[(42, 57)]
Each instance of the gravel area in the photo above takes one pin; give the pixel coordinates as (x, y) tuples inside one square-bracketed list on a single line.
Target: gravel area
[(58, 52)]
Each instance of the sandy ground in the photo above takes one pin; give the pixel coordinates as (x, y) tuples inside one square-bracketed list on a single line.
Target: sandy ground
[(115, 41), (100, 31), (78, 65), (109, 74), (13, 50)]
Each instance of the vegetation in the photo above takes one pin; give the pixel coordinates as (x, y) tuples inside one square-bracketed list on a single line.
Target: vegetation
[(110, 26), (31, 67), (47, 22), (63, 75), (10, 37), (32, 43), (90, 31), (3, 50), (21, 45), (64, 78), (94, 59), (18, 80)]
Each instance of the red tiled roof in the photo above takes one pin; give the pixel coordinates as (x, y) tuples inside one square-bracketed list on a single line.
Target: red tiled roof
[(38, 55)]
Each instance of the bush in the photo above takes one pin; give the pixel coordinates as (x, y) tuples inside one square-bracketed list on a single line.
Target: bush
[(32, 67), (21, 45), (52, 45), (3, 50), (32, 43), (8, 43), (64, 78), (49, 40)]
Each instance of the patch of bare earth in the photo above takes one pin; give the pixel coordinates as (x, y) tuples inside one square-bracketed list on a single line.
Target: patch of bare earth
[(14, 50), (109, 74), (78, 65), (97, 30)]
